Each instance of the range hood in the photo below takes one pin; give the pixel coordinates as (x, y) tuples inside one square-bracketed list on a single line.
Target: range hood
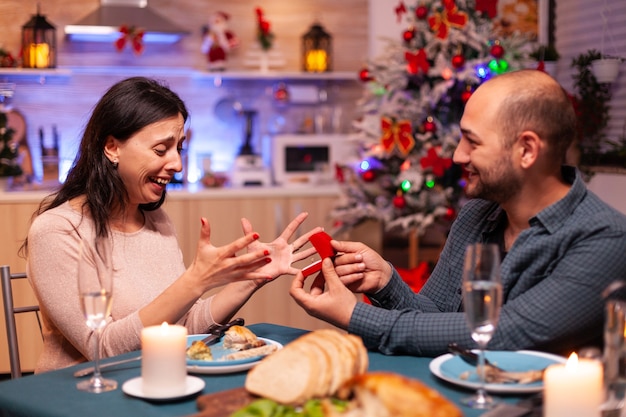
[(104, 23)]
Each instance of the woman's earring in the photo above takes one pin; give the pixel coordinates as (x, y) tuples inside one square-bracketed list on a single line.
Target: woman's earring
[(115, 164)]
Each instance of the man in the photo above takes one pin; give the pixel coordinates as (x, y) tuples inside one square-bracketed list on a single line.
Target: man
[(561, 245)]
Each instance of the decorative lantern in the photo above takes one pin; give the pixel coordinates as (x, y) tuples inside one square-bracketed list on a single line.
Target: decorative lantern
[(317, 50), (39, 43)]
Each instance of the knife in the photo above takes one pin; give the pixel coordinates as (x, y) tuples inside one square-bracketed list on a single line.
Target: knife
[(216, 331), (470, 357)]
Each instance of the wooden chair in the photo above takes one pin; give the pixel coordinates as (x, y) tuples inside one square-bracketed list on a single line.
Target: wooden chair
[(10, 310)]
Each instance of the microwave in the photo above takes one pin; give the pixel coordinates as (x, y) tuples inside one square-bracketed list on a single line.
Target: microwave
[(301, 159)]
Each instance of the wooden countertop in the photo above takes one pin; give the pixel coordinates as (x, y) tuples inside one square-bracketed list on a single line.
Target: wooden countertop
[(193, 191)]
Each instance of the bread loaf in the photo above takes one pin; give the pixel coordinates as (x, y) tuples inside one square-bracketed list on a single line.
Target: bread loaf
[(313, 366)]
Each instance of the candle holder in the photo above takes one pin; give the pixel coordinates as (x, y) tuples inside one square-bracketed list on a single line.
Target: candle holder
[(317, 50), (39, 43)]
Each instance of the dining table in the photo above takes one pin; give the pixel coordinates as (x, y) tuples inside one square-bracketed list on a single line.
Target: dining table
[(54, 393)]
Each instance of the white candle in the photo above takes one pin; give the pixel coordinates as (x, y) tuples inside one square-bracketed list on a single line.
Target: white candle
[(573, 389), (163, 360)]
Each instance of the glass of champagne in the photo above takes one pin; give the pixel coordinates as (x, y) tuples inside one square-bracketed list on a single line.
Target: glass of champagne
[(95, 288), (482, 299)]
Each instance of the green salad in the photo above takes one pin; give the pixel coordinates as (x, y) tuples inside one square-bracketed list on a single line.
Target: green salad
[(270, 408)]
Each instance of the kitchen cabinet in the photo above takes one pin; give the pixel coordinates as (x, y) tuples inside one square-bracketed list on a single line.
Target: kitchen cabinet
[(269, 210)]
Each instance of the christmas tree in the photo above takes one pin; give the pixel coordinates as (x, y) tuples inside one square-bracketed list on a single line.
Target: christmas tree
[(408, 124)]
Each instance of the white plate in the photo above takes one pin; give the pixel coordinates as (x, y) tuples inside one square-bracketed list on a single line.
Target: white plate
[(217, 366), (449, 367), (134, 387)]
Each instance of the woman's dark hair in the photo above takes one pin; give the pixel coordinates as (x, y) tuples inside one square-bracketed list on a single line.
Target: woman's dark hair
[(126, 108)]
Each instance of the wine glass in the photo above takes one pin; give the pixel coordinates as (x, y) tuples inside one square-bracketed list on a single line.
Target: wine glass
[(95, 289), (482, 298)]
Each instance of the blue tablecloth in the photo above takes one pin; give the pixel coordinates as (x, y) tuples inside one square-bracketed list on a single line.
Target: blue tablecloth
[(54, 393)]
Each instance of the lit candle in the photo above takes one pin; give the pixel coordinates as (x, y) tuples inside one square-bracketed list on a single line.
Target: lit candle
[(163, 360), (573, 388), (316, 60), (39, 55)]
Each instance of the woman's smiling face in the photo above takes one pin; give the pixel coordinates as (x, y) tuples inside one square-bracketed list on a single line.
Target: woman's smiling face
[(149, 159)]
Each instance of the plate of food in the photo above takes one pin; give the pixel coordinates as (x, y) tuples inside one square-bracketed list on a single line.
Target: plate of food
[(524, 370), (239, 350)]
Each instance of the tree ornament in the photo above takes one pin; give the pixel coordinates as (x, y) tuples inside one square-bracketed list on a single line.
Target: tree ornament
[(465, 95), (421, 12), (397, 134), (437, 164), (450, 214), (449, 17), (497, 51), (458, 61), (399, 201), (368, 176), (429, 125), (417, 61), (364, 75), (408, 35)]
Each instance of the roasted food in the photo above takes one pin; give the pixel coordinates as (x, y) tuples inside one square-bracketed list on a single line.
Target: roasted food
[(199, 351), (494, 375), (387, 394), (251, 353), (241, 338)]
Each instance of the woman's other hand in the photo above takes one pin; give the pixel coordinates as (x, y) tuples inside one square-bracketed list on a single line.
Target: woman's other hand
[(282, 253), (216, 266)]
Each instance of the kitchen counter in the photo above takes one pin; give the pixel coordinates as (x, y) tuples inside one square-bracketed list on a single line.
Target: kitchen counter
[(193, 191)]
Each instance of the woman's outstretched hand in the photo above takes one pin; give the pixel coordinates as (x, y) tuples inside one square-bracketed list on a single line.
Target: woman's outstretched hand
[(283, 253), (215, 266)]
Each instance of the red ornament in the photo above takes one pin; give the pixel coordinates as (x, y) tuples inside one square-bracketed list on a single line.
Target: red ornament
[(396, 133), (450, 214), (132, 35), (497, 51), (416, 61), (281, 93), (421, 12), (438, 164), (364, 75), (400, 10), (429, 125), (399, 201), (368, 176), (408, 35), (450, 17), (458, 61), (465, 95)]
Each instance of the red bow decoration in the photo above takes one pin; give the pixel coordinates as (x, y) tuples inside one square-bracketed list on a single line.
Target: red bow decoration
[(133, 35), (440, 23), (400, 10), (438, 164), (417, 61), (397, 133)]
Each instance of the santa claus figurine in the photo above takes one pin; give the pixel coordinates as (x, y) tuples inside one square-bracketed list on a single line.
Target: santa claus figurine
[(218, 41)]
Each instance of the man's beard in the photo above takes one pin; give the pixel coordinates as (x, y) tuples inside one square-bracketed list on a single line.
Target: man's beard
[(498, 183)]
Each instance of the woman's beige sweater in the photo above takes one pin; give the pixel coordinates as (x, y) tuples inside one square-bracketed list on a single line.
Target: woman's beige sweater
[(145, 263)]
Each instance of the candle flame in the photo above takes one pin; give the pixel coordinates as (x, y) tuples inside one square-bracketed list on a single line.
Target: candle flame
[(164, 326), (572, 361)]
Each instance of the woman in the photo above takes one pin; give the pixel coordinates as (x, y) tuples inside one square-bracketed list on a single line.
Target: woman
[(129, 152)]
